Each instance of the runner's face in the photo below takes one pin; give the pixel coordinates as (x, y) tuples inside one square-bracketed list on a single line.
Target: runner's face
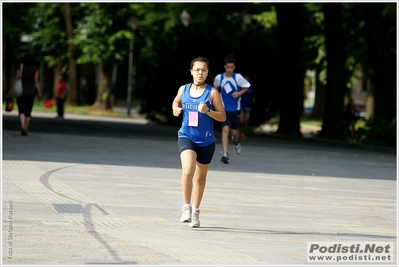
[(199, 72), (229, 67)]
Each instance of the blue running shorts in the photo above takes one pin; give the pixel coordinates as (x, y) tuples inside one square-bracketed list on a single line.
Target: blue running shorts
[(232, 119), (204, 153)]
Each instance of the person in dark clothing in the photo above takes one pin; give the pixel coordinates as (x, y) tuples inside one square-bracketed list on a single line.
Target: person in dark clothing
[(247, 100), (30, 85), (350, 117), (61, 96), (82, 91)]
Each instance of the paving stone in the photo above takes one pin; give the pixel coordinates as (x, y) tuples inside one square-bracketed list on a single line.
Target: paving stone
[(113, 197)]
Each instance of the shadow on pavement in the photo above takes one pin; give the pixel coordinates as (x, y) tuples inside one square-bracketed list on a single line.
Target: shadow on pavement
[(301, 233), (86, 141)]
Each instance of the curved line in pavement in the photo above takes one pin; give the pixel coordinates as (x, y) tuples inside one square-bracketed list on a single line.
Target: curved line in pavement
[(87, 217), (44, 179)]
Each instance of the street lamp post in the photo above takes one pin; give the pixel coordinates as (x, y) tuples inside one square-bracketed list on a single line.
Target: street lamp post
[(133, 25), (185, 18), (246, 18)]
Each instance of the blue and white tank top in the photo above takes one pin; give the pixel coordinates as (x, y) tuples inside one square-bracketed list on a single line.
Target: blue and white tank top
[(196, 126), (229, 85)]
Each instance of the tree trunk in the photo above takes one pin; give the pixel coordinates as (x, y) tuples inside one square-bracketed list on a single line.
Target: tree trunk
[(47, 78), (73, 92), (384, 73), (336, 78), (7, 67), (319, 101), (104, 88), (91, 84), (291, 74), (10, 64)]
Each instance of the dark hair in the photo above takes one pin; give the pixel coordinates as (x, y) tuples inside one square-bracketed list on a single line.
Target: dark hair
[(230, 59), (28, 59), (209, 78), (63, 76)]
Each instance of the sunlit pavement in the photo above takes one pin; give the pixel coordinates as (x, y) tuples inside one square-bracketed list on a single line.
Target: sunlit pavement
[(93, 190)]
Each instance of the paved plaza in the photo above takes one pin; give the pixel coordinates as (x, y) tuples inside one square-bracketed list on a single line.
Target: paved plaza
[(90, 190)]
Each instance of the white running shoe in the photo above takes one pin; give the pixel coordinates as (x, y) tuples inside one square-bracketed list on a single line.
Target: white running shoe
[(186, 216), (237, 147), (195, 221)]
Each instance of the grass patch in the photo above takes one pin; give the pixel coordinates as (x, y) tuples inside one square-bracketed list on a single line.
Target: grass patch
[(303, 120), (67, 109), (88, 110), (38, 105), (360, 124), (309, 121)]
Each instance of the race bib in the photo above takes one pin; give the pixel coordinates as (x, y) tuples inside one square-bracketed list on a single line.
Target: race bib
[(227, 88), (193, 118)]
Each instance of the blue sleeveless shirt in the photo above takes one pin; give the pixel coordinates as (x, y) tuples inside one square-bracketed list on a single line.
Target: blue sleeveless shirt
[(202, 134), (226, 89)]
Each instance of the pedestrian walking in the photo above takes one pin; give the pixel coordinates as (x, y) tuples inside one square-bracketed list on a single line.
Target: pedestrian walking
[(350, 116), (232, 86), (200, 104), (31, 86), (247, 100), (61, 93), (82, 90)]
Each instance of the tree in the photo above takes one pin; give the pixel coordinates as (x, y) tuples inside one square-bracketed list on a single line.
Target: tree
[(274, 51), (158, 58), (49, 41), (103, 35), (16, 22), (72, 78), (315, 49), (336, 78), (291, 70), (384, 69), (213, 32)]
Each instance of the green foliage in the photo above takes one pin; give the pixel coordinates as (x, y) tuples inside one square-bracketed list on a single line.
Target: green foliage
[(156, 17), (377, 132), (356, 46), (49, 38), (314, 40), (101, 35), (105, 96), (267, 18), (214, 31), (16, 19)]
